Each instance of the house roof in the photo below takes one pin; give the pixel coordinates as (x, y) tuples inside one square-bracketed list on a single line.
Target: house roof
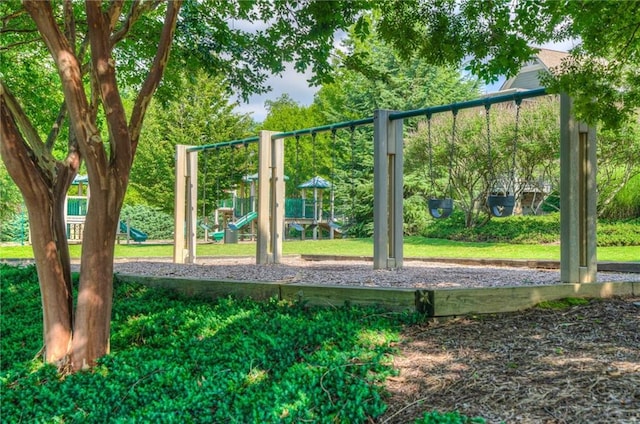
[(545, 60), (551, 58)]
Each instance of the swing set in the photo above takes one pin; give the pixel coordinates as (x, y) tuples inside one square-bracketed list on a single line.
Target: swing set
[(501, 201), (577, 186)]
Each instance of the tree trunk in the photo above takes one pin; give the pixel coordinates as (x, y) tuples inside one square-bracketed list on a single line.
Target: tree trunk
[(95, 293), (54, 286), (41, 193)]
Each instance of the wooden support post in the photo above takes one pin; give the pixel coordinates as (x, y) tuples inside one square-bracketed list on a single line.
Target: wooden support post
[(179, 204), (388, 192), (264, 189), (270, 199), (192, 206), (277, 199), (578, 260)]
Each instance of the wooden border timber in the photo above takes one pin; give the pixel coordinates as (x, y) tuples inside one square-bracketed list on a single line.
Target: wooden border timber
[(432, 303), (395, 299), (632, 267), (209, 289), (448, 302)]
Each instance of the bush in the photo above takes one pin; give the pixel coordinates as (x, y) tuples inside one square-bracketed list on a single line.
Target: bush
[(626, 203), (156, 224), (530, 229), (619, 233), (15, 229)]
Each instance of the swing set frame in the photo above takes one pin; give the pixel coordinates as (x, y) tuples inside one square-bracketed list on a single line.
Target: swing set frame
[(578, 259)]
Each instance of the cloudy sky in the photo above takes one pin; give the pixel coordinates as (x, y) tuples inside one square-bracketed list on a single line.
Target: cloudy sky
[(298, 88)]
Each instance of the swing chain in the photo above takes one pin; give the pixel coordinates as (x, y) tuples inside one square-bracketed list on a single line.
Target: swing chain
[(487, 108), (313, 153), (452, 147), (297, 176), (333, 157), (353, 172), (430, 151), (515, 146)]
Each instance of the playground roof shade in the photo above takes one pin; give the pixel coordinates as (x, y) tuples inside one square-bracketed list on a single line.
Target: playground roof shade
[(80, 179), (315, 182)]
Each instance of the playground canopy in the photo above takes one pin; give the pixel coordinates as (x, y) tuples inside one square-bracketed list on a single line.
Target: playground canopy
[(316, 182)]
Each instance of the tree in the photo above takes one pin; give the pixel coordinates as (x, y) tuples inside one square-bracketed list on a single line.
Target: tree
[(305, 155), (93, 53), (200, 114), (497, 37), (9, 196), (618, 153), (368, 75)]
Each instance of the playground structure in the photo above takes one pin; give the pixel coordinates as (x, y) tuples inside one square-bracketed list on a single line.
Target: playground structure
[(236, 214), (577, 187), (76, 207)]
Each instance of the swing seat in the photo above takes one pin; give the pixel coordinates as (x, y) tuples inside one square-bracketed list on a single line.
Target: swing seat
[(440, 208), (501, 206), (297, 226)]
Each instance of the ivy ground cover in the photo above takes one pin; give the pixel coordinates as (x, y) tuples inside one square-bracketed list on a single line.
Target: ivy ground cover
[(188, 360)]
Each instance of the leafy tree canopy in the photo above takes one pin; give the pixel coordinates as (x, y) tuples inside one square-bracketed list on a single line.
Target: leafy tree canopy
[(497, 37), (201, 113)]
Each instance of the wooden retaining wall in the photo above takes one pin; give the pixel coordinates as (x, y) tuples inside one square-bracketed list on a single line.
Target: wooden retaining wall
[(433, 303)]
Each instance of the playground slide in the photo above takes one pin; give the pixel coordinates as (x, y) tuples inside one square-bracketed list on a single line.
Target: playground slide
[(217, 235), (337, 228), (136, 235), (243, 221)]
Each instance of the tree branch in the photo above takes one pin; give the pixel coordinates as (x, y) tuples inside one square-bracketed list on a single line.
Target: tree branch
[(113, 14), (19, 43), (155, 74), (70, 23), (55, 128), (19, 158), (136, 10), (33, 140), (103, 67), (69, 68)]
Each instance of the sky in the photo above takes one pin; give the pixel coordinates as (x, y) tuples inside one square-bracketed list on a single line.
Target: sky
[(296, 85)]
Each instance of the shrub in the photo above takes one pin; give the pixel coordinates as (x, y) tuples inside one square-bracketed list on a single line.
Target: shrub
[(156, 224), (530, 229), (15, 229)]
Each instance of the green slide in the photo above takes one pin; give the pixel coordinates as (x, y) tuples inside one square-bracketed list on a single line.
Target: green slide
[(136, 235), (235, 226)]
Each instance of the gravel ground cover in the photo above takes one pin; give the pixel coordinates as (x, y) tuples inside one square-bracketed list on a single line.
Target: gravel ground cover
[(418, 274)]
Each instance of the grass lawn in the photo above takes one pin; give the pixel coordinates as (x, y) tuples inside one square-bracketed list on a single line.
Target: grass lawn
[(413, 247)]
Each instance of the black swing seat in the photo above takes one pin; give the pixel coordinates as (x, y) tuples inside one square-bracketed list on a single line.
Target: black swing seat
[(501, 206), (440, 208)]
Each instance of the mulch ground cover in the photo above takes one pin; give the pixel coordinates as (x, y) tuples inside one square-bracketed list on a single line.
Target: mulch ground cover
[(561, 364)]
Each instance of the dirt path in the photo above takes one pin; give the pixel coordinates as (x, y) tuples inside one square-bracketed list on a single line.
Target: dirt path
[(580, 364)]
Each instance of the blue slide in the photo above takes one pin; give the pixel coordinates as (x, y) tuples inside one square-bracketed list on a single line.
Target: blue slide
[(235, 226), (135, 235)]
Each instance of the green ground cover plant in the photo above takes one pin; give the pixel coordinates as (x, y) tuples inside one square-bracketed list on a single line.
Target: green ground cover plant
[(187, 360), (436, 417)]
